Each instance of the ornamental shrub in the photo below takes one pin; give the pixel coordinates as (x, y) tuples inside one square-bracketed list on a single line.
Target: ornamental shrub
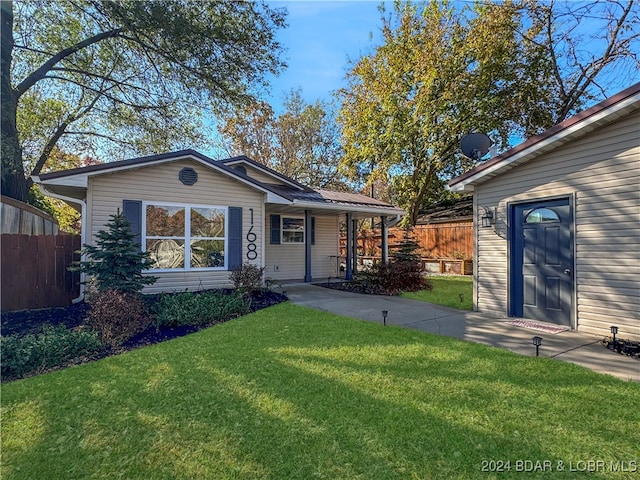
[(247, 277), (403, 273), (203, 308), (116, 260), (54, 346), (117, 316)]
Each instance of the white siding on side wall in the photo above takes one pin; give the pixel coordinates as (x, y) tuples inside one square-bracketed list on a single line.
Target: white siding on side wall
[(601, 174), (286, 260), (160, 183)]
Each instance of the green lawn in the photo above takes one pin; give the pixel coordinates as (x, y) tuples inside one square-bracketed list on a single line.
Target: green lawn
[(446, 291), (293, 393)]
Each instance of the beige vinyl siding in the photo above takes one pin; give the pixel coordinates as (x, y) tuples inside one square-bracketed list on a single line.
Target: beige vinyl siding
[(261, 176), (323, 253), (600, 173), (159, 183), (286, 260)]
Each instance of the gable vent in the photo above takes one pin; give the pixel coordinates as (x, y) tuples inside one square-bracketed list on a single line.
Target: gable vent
[(188, 176), (241, 169)]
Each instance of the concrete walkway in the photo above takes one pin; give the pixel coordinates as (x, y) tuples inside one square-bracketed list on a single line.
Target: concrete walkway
[(568, 346)]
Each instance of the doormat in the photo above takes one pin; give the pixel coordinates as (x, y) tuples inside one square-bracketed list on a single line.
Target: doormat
[(541, 327)]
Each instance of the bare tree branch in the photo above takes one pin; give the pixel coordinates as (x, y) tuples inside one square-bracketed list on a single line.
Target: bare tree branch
[(42, 71)]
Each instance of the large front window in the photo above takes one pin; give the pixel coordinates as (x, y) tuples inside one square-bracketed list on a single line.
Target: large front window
[(185, 237)]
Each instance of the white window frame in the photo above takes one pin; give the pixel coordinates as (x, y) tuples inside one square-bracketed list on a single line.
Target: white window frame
[(282, 229), (187, 232)]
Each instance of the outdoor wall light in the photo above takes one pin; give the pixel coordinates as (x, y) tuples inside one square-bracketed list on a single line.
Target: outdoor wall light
[(487, 218), (384, 316), (537, 341), (614, 332)]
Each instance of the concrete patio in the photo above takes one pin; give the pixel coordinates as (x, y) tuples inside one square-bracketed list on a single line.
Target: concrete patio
[(568, 346)]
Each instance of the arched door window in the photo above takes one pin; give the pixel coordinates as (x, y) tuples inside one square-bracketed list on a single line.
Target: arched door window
[(541, 215)]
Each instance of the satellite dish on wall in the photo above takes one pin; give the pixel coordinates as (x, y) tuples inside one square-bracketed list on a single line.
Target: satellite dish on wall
[(475, 145)]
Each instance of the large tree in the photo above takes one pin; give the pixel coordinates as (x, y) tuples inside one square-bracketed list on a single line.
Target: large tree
[(591, 49), (124, 77), (303, 142), (442, 72), (436, 75)]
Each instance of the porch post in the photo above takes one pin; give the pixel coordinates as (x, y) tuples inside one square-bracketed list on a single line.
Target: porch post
[(307, 246), (385, 239), (348, 274), (355, 245)]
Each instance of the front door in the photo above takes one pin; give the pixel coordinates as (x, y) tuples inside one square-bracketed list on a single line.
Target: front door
[(542, 261)]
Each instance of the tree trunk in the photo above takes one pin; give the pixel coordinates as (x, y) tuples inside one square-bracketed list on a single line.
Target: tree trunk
[(14, 184)]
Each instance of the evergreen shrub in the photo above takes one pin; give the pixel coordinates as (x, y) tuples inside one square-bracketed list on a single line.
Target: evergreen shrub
[(53, 346), (116, 260), (202, 308)]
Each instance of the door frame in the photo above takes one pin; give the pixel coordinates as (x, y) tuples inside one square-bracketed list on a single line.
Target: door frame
[(513, 297)]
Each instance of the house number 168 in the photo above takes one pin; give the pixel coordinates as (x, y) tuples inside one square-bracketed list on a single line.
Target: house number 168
[(252, 248)]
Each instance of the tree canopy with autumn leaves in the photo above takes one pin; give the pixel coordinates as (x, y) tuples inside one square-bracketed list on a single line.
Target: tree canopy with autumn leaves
[(119, 78), (507, 69)]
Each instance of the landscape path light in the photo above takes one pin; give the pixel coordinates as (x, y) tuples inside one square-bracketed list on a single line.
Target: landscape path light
[(614, 332), (537, 341)]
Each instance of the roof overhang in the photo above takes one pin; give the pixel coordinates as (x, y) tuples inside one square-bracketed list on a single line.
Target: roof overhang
[(78, 179), (363, 211), (242, 159), (74, 183), (320, 208), (602, 114)]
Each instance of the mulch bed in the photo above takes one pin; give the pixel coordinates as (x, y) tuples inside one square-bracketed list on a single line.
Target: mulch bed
[(31, 321), (354, 287), (629, 348)]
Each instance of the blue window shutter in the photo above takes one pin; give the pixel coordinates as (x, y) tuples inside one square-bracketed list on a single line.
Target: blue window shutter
[(235, 237), (132, 212), (313, 230), (275, 230)]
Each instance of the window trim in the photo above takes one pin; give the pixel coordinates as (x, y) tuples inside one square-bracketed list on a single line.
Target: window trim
[(187, 238), (282, 229)]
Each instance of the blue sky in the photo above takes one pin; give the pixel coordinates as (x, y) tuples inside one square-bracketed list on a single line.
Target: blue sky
[(324, 34), (321, 38)]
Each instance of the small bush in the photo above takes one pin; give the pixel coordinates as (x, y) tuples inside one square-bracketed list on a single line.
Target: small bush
[(203, 308), (247, 277), (392, 278), (402, 274), (24, 355), (117, 316)]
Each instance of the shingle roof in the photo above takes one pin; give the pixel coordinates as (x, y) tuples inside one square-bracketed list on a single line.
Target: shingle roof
[(330, 197), (296, 192)]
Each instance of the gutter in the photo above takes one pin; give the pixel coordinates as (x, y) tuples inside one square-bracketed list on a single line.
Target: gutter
[(370, 210), (83, 229)]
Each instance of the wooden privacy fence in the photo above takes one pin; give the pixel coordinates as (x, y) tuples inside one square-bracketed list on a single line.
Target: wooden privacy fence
[(21, 218), (34, 271), (440, 245)]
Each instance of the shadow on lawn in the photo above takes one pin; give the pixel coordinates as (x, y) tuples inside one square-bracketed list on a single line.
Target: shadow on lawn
[(312, 399)]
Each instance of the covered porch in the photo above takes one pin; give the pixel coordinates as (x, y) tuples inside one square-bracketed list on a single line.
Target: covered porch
[(303, 239)]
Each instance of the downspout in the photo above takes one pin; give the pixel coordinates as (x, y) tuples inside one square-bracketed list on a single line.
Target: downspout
[(83, 220)]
